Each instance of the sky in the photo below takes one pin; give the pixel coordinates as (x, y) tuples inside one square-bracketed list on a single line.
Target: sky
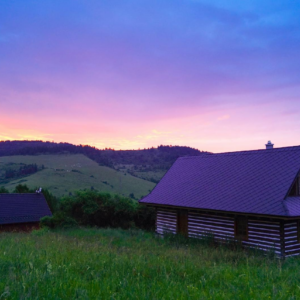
[(217, 75)]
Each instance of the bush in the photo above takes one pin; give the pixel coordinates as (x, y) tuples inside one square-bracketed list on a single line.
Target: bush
[(92, 208), (3, 190)]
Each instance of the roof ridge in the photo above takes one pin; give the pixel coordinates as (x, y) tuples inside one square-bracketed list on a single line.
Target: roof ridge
[(246, 152), (21, 193)]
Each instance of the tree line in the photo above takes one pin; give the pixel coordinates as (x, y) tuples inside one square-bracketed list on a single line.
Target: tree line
[(160, 158), (22, 171)]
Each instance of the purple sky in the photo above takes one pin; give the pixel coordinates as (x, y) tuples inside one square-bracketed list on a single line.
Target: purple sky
[(214, 75)]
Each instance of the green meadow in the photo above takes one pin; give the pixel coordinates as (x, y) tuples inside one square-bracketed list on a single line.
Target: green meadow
[(119, 264), (65, 173)]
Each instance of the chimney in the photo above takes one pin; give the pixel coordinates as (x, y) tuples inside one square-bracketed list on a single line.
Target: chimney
[(269, 145)]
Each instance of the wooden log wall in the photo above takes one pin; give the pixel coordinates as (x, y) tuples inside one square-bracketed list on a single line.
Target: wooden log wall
[(166, 221), (264, 235), (16, 227), (278, 236), (291, 243), (200, 225)]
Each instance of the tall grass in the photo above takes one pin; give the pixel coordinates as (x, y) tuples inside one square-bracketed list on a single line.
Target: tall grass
[(119, 264)]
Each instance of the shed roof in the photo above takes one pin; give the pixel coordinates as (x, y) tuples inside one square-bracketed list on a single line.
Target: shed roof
[(254, 182), (23, 208)]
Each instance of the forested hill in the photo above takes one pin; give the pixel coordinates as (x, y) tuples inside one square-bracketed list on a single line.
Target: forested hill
[(161, 157)]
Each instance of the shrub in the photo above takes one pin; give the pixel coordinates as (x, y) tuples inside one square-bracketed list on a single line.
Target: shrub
[(92, 208), (3, 190)]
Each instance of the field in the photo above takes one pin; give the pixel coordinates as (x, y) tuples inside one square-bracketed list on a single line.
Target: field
[(65, 173), (117, 264)]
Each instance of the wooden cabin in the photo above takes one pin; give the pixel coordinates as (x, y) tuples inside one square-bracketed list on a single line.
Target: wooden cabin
[(22, 212), (249, 196)]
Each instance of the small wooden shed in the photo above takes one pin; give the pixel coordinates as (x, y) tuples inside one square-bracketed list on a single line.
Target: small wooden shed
[(22, 212), (250, 196)]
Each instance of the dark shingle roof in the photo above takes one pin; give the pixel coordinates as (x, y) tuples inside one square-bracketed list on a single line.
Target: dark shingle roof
[(22, 208), (254, 182)]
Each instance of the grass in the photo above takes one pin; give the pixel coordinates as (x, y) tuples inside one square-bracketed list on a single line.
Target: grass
[(66, 173), (118, 264)]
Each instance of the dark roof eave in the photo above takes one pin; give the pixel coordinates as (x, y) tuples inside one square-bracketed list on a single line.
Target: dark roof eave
[(221, 211)]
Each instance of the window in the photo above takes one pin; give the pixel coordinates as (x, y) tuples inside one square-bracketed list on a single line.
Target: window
[(241, 228)]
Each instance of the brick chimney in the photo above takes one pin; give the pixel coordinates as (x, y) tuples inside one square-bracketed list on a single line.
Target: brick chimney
[(269, 145)]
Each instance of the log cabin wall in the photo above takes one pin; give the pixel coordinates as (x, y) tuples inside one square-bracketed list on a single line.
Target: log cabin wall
[(166, 221), (18, 227), (200, 225), (291, 238), (262, 234)]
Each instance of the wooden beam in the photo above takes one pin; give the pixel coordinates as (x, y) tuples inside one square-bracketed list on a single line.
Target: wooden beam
[(223, 213), (282, 240)]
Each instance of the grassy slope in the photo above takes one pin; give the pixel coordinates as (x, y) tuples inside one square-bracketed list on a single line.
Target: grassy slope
[(114, 264), (63, 182)]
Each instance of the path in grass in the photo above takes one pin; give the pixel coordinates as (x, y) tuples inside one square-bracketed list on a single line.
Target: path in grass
[(116, 264)]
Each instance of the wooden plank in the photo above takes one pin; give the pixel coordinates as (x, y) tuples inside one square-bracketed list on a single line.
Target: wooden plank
[(291, 235), (263, 229), (261, 242), (294, 252), (215, 235), (201, 230), (167, 215), (261, 246), (167, 219), (287, 225), (211, 221), (264, 225), (212, 224), (263, 222), (264, 234), (262, 238), (291, 247), (208, 228), (211, 218), (211, 215)]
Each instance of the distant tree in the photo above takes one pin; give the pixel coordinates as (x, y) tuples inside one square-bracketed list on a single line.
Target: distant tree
[(132, 196), (3, 190), (22, 188), (52, 201)]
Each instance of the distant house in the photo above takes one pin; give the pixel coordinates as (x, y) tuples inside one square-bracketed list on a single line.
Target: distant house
[(251, 196), (22, 212)]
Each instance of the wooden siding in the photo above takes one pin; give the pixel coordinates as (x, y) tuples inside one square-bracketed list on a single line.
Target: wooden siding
[(200, 225), (291, 243), (16, 227), (282, 237), (264, 235), (166, 221)]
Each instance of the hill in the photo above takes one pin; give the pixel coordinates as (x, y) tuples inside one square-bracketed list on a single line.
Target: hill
[(148, 164), (64, 173)]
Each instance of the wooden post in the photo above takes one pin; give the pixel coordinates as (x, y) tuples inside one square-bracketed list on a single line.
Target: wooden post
[(182, 223), (282, 241)]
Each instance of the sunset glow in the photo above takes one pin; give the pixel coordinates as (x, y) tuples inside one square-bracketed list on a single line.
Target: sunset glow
[(213, 75)]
